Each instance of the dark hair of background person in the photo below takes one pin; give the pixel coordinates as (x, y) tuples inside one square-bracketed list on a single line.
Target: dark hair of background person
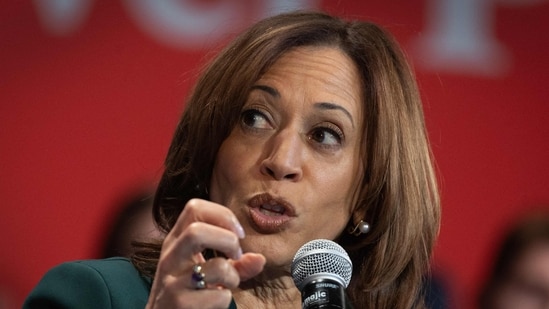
[(132, 221), (526, 234), (398, 194)]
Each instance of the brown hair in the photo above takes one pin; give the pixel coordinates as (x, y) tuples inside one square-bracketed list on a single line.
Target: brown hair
[(398, 195)]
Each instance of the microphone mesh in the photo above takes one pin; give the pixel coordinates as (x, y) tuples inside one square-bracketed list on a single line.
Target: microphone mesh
[(321, 256)]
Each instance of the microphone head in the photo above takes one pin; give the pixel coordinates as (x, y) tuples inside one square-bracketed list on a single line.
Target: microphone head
[(321, 258)]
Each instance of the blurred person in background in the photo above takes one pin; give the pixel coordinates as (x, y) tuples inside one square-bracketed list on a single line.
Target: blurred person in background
[(520, 274), (133, 222), (437, 290)]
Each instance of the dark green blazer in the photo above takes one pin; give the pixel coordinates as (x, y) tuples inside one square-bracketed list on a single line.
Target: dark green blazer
[(110, 283)]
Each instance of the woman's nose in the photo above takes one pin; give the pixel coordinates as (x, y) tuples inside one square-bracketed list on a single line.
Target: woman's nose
[(284, 157)]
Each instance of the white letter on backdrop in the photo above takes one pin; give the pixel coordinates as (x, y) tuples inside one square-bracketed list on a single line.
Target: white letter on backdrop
[(62, 17), (459, 38), (181, 24)]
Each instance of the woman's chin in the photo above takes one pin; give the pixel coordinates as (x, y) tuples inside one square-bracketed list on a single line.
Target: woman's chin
[(276, 250)]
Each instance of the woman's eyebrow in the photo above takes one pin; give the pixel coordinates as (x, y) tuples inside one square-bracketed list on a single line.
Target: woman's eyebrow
[(270, 90), (321, 105), (332, 106)]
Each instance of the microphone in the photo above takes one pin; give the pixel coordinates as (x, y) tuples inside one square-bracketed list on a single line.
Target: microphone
[(321, 270)]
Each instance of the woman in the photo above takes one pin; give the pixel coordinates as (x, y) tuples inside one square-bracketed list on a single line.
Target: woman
[(306, 126), (520, 274)]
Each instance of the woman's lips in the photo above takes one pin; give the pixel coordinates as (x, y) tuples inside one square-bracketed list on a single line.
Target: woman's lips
[(269, 214)]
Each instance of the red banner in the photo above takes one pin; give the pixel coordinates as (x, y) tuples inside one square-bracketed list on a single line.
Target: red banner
[(90, 92)]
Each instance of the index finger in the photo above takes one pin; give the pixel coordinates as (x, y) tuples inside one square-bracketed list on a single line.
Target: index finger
[(198, 210)]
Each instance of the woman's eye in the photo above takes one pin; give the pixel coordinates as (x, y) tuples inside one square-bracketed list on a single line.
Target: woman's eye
[(255, 119), (326, 136)]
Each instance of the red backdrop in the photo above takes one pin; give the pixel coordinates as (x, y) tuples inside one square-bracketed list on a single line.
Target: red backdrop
[(90, 95)]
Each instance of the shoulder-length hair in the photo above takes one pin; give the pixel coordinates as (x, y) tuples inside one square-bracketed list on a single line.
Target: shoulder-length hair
[(398, 195)]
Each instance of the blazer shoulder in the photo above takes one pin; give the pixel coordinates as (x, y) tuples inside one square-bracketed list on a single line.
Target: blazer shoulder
[(109, 283)]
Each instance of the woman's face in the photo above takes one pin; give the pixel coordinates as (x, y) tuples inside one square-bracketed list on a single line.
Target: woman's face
[(528, 285), (291, 166)]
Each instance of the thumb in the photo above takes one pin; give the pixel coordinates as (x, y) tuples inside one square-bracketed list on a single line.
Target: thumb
[(249, 265)]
